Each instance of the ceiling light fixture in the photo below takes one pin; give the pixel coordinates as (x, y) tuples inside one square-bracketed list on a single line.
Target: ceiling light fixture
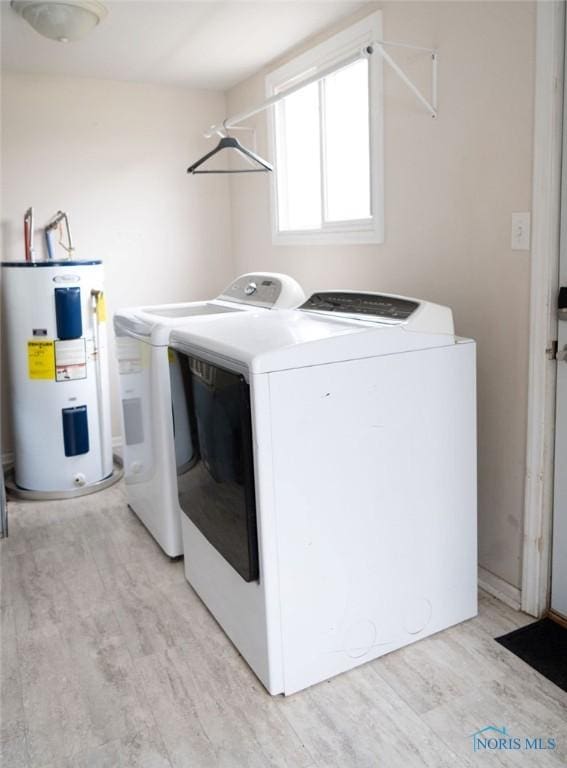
[(62, 20)]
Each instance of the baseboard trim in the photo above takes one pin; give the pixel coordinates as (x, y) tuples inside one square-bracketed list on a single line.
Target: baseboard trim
[(499, 588), (558, 618)]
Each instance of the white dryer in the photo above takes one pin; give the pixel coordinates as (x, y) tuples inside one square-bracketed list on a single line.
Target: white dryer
[(157, 442), (332, 515)]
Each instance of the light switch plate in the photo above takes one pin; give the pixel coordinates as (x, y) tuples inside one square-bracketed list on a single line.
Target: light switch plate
[(520, 240)]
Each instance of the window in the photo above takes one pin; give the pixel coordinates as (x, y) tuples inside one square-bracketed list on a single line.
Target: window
[(327, 144)]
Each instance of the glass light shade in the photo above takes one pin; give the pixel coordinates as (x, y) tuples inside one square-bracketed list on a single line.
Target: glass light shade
[(61, 21)]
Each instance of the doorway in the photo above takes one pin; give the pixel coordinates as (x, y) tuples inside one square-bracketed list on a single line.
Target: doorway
[(559, 546)]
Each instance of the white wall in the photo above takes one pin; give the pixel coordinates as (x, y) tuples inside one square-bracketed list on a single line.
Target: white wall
[(451, 185), (114, 155)]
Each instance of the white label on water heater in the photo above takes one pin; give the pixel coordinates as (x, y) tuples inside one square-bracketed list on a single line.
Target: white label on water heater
[(70, 360), (66, 279)]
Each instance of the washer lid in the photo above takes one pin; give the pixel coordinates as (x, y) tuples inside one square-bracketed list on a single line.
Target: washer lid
[(169, 312), (249, 292), (154, 324)]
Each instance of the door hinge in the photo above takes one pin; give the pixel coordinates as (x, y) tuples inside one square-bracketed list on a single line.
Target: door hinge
[(551, 351), (554, 353)]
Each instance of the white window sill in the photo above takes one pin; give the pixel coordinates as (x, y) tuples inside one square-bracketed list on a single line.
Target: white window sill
[(320, 237)]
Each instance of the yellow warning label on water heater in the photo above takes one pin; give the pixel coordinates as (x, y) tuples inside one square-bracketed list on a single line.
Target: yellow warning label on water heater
[(101, 308), (41, 360)]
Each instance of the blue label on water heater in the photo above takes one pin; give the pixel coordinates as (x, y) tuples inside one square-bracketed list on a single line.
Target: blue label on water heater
[(68, 313), (75, 430)]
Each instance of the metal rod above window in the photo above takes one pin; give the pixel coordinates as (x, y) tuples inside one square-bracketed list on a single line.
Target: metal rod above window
[(376, 46)]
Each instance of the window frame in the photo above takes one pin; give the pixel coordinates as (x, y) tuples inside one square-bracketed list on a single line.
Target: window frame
[(335, 49)]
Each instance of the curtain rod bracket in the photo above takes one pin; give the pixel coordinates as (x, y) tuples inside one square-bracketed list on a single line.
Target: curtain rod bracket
[(378, 45)]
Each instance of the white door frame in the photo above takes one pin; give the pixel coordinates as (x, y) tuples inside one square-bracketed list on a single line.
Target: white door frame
[(546, 189)]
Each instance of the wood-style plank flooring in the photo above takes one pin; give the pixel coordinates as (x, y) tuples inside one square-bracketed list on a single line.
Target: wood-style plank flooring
[(109, 660)]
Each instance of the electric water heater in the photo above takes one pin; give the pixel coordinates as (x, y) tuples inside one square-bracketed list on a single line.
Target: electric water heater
[(55, 329)]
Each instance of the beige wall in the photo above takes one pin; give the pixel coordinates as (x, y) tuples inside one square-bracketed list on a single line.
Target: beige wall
[(451, 185), (113, 155)]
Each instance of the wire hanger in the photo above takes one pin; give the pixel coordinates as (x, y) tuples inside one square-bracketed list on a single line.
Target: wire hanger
[(229, 142)]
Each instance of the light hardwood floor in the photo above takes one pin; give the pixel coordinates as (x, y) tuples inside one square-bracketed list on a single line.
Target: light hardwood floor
[(109, 660)]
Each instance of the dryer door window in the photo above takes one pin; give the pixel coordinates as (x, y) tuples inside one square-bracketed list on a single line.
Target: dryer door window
[(218, 493)]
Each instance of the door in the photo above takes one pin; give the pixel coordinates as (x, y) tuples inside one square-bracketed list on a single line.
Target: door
[(559, 551), (559, 555), (217, 494)]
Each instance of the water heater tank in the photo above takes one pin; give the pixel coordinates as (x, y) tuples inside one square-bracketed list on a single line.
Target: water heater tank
[(55, 331)]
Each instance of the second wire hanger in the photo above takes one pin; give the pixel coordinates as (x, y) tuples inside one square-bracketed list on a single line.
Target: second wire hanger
[(229, 142)]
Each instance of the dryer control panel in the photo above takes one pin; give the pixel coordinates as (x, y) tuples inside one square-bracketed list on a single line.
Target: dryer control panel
[(375, 305), (384, 309), (264, 290)]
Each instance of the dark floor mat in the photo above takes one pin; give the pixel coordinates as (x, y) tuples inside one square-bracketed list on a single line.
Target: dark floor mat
[(542, 645)]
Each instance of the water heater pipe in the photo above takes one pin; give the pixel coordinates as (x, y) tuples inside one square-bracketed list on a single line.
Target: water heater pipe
[(55, 222), (28, 235), (96, 298)]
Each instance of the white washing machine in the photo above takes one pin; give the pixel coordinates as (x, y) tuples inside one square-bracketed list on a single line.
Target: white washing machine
[(332, 515), (155, 419)]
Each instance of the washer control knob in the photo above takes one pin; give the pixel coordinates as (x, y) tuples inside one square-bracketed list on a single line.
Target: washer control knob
[(250, 289)]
